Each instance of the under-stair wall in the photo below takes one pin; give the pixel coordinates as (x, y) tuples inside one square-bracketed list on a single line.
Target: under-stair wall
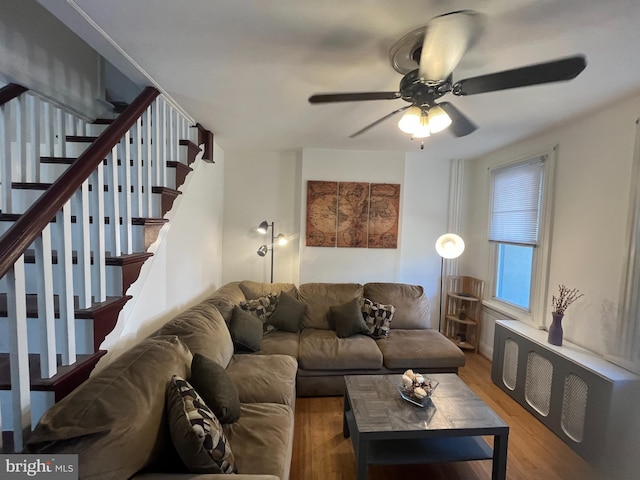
[(98, 192)]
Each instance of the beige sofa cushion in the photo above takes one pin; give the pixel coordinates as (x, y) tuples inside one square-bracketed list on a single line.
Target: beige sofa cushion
[(323, 350), (204, 331), (419, 349), (320, 296), (412, 305), (127, 399), (225, 298), (264, 378), (262, 439), (253, 290), (281, 343)]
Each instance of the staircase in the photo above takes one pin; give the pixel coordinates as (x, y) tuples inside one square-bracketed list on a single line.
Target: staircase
[(81, 201)]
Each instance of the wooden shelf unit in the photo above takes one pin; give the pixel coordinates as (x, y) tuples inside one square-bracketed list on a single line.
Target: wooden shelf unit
[(463, 299)]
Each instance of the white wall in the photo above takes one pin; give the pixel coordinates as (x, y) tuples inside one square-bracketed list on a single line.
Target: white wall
[(425, 200), (39, 52), (260, 186), (187, 262), (333, 264), (589, 227), (272, 186)]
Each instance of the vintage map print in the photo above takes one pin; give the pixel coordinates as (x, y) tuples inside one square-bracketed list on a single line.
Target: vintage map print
[(383, 215), (322, 209), (352, 214)]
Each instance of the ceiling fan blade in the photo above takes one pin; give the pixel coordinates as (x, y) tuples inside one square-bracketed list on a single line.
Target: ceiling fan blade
[(446, 40), (554, 71), (352, 97), (380, 120), (460, 123)]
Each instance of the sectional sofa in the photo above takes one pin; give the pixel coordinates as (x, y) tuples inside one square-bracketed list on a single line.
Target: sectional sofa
[(186, 404)]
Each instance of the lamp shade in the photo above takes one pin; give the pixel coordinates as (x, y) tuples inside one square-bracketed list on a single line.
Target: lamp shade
[(282, 239), (262, 228), (449, 245), (438, 119), (410, 120), (422, 129), (262, 251)]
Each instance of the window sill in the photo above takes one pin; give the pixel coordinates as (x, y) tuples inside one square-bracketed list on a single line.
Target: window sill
[(512, 312)]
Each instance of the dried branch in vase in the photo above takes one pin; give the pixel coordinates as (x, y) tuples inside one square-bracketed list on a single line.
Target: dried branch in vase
[(565, 298)]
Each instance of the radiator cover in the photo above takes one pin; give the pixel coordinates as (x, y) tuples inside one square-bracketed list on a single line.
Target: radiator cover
[(576, 394)]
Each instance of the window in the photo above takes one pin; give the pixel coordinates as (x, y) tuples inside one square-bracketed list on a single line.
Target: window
[(515, 227)]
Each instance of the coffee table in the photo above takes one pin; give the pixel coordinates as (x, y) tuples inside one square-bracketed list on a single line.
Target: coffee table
[(385, 429)]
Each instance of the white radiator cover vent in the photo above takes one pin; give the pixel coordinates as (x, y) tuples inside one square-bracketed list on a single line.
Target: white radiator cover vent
[(510, 367), (538, 384), (574, 407)]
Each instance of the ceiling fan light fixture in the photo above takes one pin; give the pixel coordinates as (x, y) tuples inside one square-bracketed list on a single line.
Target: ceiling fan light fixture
[(422, 130), (438, 119), (410, 120)]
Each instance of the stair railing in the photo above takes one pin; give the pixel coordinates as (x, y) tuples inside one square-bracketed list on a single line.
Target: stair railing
[(89, 209)]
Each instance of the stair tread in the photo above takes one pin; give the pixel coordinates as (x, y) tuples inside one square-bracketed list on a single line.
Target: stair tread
[(65, 373), (179, 166), (148, 220), (81, 138), (30, 185), (58, 160), (29, 257), (166, 190), (79, 313)]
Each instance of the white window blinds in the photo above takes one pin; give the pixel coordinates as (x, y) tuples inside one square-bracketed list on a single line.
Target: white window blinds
[(516, 202)]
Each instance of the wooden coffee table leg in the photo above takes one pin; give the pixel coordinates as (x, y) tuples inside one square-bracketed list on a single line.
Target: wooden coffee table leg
[(499, 471)]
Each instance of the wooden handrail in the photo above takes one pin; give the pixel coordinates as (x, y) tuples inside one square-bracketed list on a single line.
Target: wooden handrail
[(27, 228), (11, 91)]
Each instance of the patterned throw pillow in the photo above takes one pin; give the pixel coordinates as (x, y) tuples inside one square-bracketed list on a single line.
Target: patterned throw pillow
[(262, 308), (377, 317), (196, 432)]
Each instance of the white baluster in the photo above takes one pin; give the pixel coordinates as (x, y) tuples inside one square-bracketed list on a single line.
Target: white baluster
[(65, 284), (47, 334), (99, 256), (18, 354), (125, 155), (81, 202), (61, 133), (173, 143), (48, 118), (137, 169), (21, 136), (148, 158), (33, 138), (114, 201), (162, 164), (5, 159)]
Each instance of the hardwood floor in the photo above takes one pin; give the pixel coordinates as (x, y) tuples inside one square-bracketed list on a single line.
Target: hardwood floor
[(320, 452)]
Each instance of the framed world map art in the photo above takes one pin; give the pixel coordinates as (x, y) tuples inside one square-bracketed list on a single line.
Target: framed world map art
[(352, 214)]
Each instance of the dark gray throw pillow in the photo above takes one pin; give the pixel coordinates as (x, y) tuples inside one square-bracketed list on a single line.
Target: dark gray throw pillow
[(216, 388), (246, 330), (288, 314), (347, 318)]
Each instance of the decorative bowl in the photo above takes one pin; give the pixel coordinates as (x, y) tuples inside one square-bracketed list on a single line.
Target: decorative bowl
[(407, 393)]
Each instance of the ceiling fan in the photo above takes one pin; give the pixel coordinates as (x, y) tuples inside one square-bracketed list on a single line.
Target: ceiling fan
[(427, 57)]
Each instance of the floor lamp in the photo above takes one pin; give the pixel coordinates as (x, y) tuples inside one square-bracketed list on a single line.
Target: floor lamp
[(280, 238), (448, 246)]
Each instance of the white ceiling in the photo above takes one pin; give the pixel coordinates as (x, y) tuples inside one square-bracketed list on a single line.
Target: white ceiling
[(245, 68)]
